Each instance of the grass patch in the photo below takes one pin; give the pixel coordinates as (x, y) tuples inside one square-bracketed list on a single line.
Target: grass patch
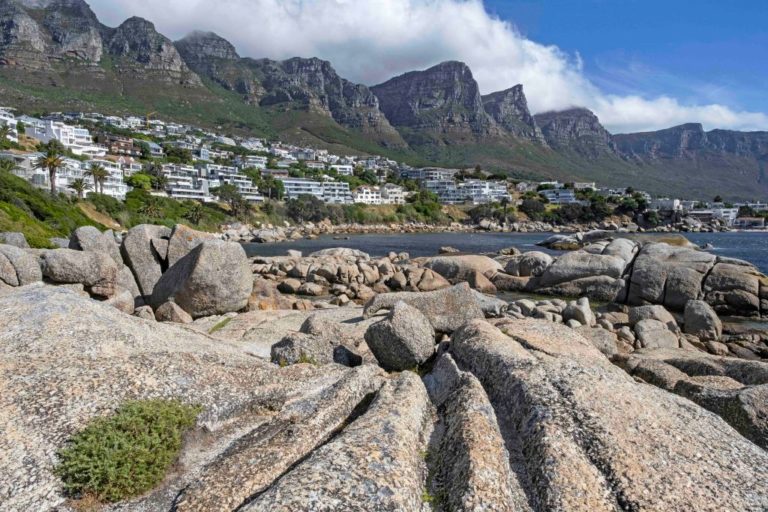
[(127, 453), (219, 326)]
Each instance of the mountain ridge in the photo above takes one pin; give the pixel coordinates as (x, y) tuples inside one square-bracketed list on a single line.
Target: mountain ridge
[(56, 54)]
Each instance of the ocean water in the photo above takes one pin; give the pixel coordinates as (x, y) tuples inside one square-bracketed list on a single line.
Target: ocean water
[(752, 247)]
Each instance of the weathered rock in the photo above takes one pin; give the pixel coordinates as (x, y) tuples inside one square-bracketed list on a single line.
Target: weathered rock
[(603, 340), (479, 282), (668, 275), (18, 267), (66, 360), (547, 383), (212, 279), (182, 240), (469, 465), (579, 265), (139, 255), (88, 238), (298, 347), (289, 286), (702, 321), (733, 290), (461, 268), (735, 389), (652, 333), (402, 341), (259, 458), (656, 312), (373, 464), (446, 309), (581, 311), (122, 300), (171, 312), (265, 296), (341, 252), (97, 271), (533, 263), (144, 312), (492, 307), (312, 289), (14, 239)]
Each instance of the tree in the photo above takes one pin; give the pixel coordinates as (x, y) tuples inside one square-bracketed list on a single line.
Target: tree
[(195, 213), (505, 204), (306, 208), (50, 161), (21, 129), (7, 165), (746, 211), (718, 199), (151, 208), (79, 185), (99, 174), (231, 195), (532, 208), (139, 181)]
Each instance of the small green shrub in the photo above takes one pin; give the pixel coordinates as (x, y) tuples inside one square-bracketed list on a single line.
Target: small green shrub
[(127, 453)]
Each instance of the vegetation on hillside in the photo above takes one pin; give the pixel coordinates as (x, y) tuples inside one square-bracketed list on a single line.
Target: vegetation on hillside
[(125, 454), (36, 213)]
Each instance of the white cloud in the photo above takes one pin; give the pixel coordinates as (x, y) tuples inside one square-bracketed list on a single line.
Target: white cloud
[(370, 41)]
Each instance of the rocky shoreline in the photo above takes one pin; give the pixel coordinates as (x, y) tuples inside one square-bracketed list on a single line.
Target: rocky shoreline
[(339, 381), (269, 233)]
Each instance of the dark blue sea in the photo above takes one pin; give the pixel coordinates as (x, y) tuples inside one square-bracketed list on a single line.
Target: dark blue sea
[(752, 247)]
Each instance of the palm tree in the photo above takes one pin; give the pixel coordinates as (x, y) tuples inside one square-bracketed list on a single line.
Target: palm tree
[(505, 203), (50, 161), (99, 175), (79, 185), (7, 165), (5, 131)]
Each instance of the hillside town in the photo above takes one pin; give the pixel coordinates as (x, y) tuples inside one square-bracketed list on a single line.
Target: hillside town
[(190, 163)]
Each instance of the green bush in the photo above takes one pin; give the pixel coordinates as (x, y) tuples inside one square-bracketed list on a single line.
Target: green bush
[(125, 454)]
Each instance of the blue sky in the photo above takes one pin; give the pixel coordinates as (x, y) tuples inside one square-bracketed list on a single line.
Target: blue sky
[(701, 51), (639, 65)]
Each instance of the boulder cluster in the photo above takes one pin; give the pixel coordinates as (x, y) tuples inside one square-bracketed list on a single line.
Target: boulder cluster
[(338, 381)]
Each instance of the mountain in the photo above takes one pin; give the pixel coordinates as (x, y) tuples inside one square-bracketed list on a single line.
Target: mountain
[(509, 109), (576, 130), (443, 102), (56, 55)]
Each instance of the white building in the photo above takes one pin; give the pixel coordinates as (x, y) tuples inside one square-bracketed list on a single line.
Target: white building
[(367, 194), (560, 196), (343, 170), (184, 182), (392, 194), (295, 187), (78, 140), (218, 175), (9, 120), (336, 192), (665, 204)]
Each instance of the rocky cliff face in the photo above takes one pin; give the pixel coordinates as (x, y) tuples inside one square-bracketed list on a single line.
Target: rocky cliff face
[(444, 99), (137, 44), (212, 56), (690, 141), (577, 130), (37, 33), (314, 84), (509, 109)]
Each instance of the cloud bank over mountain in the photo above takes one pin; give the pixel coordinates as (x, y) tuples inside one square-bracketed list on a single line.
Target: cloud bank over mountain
[(370, 41)]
